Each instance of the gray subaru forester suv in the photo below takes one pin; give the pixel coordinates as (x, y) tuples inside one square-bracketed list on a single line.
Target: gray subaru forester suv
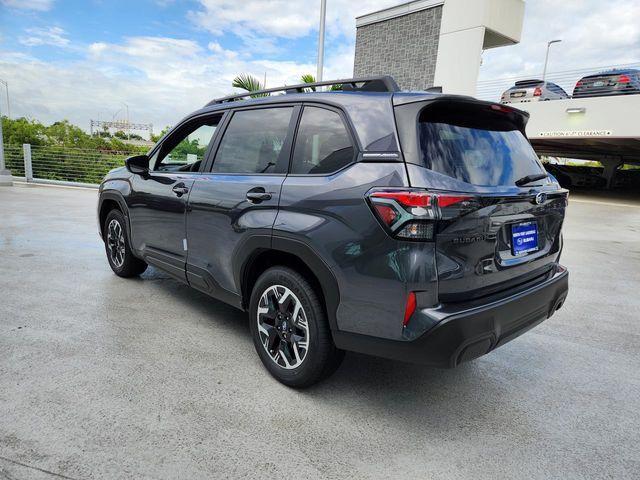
[(415, 226)]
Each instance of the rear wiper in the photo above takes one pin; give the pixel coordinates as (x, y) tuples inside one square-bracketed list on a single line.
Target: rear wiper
[(531, 178)]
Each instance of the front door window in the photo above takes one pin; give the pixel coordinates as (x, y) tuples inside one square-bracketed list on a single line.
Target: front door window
[(185, 150)]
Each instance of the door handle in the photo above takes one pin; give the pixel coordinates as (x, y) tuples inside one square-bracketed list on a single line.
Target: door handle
[(180, 189), (257, 195)]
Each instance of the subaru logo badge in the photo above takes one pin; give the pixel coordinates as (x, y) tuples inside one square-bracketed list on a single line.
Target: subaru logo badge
[(540, 198)]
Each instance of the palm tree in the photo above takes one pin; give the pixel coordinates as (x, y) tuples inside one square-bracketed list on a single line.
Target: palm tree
[(309, 78), (248, 82)]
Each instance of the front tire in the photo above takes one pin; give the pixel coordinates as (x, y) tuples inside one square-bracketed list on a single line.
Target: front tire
[(116, 244), (290, 329)]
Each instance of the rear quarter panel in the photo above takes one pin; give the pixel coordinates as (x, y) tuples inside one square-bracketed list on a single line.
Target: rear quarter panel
[(331, 215)]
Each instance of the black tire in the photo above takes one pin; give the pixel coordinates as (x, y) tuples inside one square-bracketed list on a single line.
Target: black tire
[(127, 265), (322, 358)]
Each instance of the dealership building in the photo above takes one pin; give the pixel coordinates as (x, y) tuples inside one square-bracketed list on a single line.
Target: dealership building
[(439, 43), (426, 43)]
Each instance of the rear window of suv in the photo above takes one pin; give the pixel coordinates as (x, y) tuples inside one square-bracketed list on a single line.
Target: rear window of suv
[(475, 147)]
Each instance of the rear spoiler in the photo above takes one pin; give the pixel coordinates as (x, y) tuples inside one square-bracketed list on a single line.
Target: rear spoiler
[(459, 106)]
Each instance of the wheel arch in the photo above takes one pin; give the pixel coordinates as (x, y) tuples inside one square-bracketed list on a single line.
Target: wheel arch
[(108, 201), (280, 251)]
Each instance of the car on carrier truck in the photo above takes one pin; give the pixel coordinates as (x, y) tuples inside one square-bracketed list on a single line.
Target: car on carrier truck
[(420, 227)]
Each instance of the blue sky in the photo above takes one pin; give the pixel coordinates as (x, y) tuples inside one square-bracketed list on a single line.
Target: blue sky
[(163, 58), (87, 22)]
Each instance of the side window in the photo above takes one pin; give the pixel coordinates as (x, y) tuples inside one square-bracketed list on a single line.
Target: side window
[(185, 150), (253, 141), (323, 144)]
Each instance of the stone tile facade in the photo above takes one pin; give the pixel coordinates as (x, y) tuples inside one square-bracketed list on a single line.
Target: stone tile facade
[(405, 47)]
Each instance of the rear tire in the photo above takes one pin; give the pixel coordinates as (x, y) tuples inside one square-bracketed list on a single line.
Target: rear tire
[(116, 243), (290, 330)]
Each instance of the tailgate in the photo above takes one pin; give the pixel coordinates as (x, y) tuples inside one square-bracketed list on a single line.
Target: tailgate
[(507, 241), (499, 225)]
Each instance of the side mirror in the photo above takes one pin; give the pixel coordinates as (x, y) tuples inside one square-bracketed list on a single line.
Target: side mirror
[(138, 164)]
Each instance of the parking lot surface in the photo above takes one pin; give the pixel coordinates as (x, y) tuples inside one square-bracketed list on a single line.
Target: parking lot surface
[(102, 377)]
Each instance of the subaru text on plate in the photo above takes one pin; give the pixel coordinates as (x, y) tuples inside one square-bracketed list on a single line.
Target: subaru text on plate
[(415, 226)]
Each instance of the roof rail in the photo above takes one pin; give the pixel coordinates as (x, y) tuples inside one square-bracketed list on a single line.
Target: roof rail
[(383, 83)]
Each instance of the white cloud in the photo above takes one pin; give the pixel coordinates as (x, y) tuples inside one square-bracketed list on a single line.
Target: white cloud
[(39, 5), (282, 18), (161, 79), (35, 37)]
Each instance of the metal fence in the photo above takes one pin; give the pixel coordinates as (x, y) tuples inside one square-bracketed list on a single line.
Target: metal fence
[(14, 159), (64, 165), (492, 90)]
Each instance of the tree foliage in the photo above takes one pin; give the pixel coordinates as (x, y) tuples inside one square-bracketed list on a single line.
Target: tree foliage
[(17, 131), (249, 83), (163, 132), (63, 151), (309, 78)]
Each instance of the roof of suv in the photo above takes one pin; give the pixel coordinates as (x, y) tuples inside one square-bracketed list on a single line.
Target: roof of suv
[(370, 112), (376, 133)]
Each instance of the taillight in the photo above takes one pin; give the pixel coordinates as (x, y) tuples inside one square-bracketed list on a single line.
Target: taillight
[(537, 92), (412, 214), (624, 79)]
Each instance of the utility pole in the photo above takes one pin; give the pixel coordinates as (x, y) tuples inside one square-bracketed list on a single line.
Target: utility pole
[(323, 15), (546, 60), (5, 175)]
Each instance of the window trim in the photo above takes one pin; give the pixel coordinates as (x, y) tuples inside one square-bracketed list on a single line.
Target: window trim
[(207, 167), (357, 151), (178, 129)]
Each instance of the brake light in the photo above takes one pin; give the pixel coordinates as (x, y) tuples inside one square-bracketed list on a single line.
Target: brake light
[(410, 308), (448, 200), (500, 108), (537, 92), (624, 79), (409, 199), (412, 214)]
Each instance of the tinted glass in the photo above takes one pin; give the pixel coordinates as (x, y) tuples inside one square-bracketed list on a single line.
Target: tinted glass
[(477, 156), (185, 150), (253, 141), (323, 144)]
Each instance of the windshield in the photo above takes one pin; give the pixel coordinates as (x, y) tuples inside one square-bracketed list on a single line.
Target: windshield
[(477, 156)]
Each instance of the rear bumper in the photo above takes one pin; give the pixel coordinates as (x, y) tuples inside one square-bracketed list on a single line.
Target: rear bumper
[(463, 334)]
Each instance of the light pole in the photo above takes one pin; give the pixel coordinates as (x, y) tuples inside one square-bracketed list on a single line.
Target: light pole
[(5, 175), (546, 59), (323, 15), (128, 129)]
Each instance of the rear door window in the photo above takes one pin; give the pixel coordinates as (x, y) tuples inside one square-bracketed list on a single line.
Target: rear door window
[(477, 148), (253, 142), (323, 144)]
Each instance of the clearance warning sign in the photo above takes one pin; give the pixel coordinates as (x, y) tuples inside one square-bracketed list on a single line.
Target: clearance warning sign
[(577, 133)]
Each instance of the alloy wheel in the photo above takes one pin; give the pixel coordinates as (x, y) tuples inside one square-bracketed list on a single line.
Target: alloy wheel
[(283, 327), (115, 243)]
